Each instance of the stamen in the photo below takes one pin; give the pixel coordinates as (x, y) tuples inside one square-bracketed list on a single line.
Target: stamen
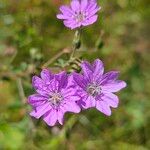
[(93, 89), (79, 17), (55, 98)]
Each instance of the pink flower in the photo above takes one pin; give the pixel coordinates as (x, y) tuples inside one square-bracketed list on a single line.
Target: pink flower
[(79, 13), (54, 97), (97, 89)]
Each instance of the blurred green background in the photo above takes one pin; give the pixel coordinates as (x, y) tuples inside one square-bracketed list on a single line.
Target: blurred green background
[(30, 35)]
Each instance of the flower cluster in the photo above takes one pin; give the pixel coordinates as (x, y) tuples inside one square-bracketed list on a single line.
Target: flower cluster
[(79, 13), (57, 94)]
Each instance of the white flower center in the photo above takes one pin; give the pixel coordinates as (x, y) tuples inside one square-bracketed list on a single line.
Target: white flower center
[(79, 17), (93, 89), (55, 98)]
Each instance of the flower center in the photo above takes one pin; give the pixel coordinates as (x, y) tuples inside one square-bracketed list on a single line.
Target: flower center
[(55, 98), (93, 89), (79, 17)]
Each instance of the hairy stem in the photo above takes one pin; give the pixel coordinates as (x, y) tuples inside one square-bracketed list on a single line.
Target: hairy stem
[(76, 42)]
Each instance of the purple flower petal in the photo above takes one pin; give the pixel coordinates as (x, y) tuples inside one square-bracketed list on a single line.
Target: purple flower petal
[(40, 110), (90, 20), (51, 117), (39, 85), (36, 81), (111, 99), (114, 87), (67, 92), (93, 71), (62, 78), (98, 68), (72, 107), (84, 4), (61, 16), (46, 75), (71, 24), (87, 69), (60, 116), (103, 107), (66, 10), (71, 82), (79, 79), (109, 77), (54, 86), (92, 6), (75, 5), (92, 12), (37, 100), (89, 102)]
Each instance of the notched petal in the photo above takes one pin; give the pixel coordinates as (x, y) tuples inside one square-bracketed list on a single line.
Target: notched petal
[(103, 107)]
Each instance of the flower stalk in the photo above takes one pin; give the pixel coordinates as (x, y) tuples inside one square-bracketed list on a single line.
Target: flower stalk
[(76, 42)]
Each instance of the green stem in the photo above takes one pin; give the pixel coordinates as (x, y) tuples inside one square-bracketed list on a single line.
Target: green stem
[(76, 42)]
